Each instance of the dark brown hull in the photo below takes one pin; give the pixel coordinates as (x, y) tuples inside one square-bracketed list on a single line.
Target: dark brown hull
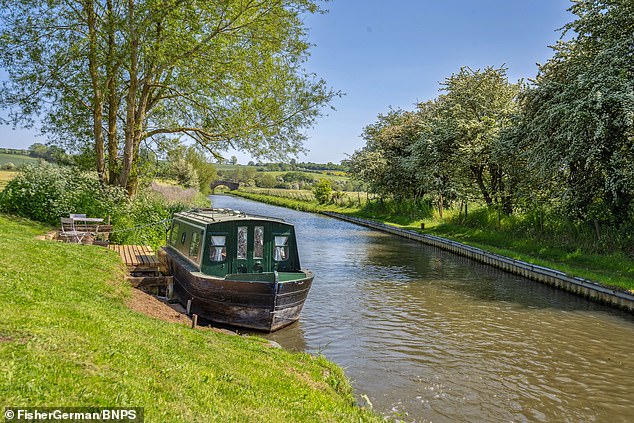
[(260, 305)]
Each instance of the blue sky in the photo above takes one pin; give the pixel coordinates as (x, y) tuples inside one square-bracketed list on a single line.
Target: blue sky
[(383, 53)]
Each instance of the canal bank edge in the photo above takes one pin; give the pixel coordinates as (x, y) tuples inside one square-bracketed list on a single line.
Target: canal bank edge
[(580, 286)]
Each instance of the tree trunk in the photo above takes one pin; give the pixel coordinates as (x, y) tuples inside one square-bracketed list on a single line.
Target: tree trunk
[(505, 194), (97, 99), (129, 149), (440, 205), (113, 139), (477, 172), (460, 211), (112, 98)]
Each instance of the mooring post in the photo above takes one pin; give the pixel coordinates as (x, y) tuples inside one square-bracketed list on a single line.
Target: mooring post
[(170, 290), (189, 306), (194, 321)]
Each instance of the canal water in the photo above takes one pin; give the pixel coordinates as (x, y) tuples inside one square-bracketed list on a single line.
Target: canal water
[(429, 336)]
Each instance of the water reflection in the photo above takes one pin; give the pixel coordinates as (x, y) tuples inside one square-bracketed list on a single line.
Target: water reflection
[(292, 337), (428, 335)]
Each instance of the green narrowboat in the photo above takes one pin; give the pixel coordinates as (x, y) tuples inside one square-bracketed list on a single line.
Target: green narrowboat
[(236, 269)]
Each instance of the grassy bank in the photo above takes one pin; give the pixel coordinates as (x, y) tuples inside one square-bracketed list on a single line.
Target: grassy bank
[(68, 338), (613, 269), (307, 206)]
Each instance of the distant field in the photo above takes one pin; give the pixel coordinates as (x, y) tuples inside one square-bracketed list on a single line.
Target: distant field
[(230, 167), (316, 175), (5, 177), (346, 199), (16, 159)]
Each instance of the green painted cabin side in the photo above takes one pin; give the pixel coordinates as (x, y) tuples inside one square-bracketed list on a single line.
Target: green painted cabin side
[(232, 243)]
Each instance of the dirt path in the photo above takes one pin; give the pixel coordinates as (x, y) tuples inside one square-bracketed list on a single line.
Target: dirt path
[(153, 307)]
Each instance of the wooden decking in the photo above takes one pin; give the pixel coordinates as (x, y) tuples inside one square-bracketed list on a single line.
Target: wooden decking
[(143, 267), (138, 258)]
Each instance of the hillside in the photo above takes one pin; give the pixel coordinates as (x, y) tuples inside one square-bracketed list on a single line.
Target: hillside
[(16, 159)]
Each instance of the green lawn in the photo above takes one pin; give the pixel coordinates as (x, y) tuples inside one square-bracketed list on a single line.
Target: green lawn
[(67, 338)]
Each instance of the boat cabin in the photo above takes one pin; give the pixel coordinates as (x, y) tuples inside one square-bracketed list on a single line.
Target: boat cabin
[(221, 242)]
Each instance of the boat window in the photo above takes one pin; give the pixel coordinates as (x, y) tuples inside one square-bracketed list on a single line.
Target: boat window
[(281, 248), (242, 242), (258, 242), (174, 234), (218, 249), (194, 245), (183, 238)]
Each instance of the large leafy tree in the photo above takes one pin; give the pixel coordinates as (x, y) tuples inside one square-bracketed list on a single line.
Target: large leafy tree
[(113, 74), (578, 121), (431, 159), (381, 163), (477, 105), (448, 148)]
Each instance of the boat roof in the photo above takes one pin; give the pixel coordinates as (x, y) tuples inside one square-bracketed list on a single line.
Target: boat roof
[(209, 216)]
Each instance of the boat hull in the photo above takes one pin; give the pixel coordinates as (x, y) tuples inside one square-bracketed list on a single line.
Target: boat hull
[(258, 304)]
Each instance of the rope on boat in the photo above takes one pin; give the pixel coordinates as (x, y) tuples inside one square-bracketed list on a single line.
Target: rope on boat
[(142, 226)]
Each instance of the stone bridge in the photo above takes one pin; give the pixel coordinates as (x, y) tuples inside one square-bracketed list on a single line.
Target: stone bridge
[(231, 185)]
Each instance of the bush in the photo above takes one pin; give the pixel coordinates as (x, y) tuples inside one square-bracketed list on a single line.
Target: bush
[(297, 177), (322, 191), (145, 221), (45, 193), (146, 217), (265, 180), (8, 166)]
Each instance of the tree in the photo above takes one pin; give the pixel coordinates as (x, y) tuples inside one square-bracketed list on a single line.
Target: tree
[(265, 180), (381, 163), (227, 75), (234, 160), (370, 167), (38, 150), (577, 115), (190, 167), (431, 158), (322, 191), (185, 173), (449, 148), (479, 105)]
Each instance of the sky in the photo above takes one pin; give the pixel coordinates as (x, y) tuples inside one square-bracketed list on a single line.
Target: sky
[(395, 53)]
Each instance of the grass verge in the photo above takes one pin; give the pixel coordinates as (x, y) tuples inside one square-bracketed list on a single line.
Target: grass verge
[(306, 206), (615, 269), (68, 339)]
